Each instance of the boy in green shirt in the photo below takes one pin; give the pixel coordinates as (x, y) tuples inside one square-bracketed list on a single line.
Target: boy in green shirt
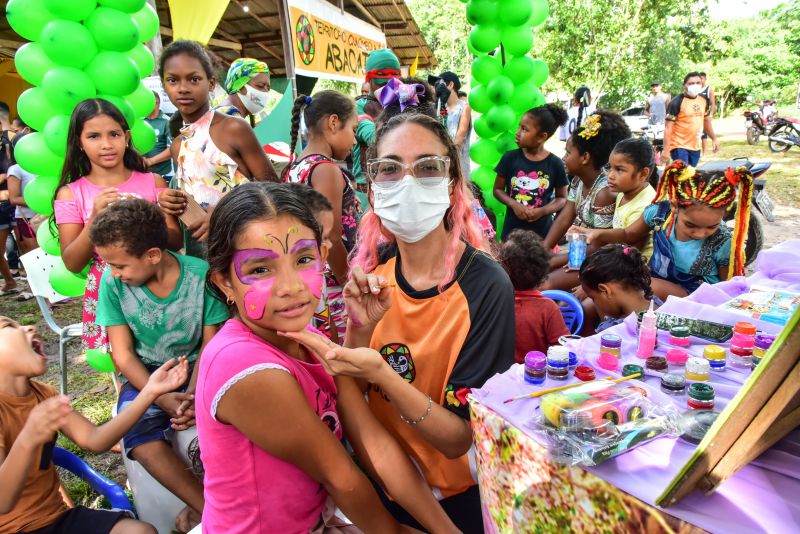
[(156, 306)]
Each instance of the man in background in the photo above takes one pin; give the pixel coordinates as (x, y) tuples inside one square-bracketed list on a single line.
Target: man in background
[(656, 104), (688, 116)]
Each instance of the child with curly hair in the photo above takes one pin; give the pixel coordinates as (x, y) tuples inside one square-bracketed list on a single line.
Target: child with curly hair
[(538, 320)]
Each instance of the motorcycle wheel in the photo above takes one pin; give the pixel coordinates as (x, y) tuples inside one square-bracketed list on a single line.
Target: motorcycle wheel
[(778, 146), (755, 235), (753, 134)]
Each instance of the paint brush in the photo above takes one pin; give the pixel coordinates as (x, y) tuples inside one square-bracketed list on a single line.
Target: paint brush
[(568, 386)]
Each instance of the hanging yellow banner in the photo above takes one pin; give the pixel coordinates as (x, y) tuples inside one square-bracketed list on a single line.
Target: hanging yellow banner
[(196, 19), (330, 44)]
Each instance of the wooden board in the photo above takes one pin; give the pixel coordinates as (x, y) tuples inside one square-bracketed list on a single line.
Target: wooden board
[(766, 408)]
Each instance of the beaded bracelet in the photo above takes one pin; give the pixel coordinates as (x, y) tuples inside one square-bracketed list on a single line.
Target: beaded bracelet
[(421, 419)]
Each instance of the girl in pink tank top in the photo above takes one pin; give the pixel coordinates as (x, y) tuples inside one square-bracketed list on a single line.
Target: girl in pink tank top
[(270, 419), (100, 168)]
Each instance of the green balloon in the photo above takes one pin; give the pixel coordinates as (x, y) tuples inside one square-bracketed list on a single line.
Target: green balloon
[(484, 152), (128, 6), (65, 87), (540, 12), (472, 49), (479, 99), (34, 108), (484, 38), (76, 10), (500, 89), (47, 238), (144, 60), (540, 72), (123, 106), (501, 118), (147, 20), (113, 29), (485, 68), (505, 142), (28, 17), (32, 154), (484, 178), (515, 12), (32, 63), (517, 40), (538, 98), (65, 282), (113, 73), (99, 360), (483, 129), (40, 192), (142, 100), (519, 69), (55, 134), (481, 11), (68, 43), (523, 98), (143, 136)]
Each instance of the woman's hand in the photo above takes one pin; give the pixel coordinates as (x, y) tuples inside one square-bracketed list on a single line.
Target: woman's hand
[(577, 230), (172, 201), (367, 298), (359, 363), (106, 197), (168, 377)]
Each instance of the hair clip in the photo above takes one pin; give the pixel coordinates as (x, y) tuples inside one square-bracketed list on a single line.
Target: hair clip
[(397, 91), (308, 101), (626, 250), (591, 127)]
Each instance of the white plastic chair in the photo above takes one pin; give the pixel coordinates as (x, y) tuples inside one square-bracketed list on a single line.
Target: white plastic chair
[(37, 267), (154, 503)]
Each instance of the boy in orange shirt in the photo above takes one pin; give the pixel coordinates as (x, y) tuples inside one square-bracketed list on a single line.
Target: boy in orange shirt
[(31, 414)]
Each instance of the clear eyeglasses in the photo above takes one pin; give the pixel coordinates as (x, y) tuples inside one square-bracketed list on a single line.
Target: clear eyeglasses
[(429, 171)]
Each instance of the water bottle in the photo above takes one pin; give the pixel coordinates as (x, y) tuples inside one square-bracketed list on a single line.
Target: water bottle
[(576, 253)]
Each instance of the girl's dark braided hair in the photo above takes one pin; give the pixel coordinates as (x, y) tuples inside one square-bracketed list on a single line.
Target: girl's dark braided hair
[(622, 264), (315, 109)]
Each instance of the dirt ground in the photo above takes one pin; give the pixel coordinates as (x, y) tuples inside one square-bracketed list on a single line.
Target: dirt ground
[(92, 393)]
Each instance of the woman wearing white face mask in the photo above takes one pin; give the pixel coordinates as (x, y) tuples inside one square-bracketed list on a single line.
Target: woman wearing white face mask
[(436, 310), (247, 85)]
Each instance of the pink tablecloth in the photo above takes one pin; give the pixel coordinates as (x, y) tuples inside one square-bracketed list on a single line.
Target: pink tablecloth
[(762, 497)]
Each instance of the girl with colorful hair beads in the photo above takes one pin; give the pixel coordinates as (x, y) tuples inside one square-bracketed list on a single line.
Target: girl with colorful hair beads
[(264, 402), (100, 168), (214, 153), (691, 243), (331, 120), (435, 309)]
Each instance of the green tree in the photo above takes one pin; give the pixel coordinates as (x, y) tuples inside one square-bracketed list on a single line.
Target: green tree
[(445, 28)]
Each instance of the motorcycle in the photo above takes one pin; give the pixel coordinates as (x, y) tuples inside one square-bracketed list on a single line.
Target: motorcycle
[(784, 134), (755, 126), (761, 201)]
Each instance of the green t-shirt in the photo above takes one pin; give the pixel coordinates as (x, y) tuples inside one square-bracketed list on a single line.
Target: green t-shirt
[(163, 328), (365, 133)]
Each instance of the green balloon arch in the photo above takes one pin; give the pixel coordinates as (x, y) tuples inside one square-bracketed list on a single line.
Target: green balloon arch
[(509, 82), (79, 49)]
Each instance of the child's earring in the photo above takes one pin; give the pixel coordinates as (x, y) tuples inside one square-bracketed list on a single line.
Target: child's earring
[(230, 301)]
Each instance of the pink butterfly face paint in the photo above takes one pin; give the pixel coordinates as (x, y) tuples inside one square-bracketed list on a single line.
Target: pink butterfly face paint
[(312, 277), (257, 296)]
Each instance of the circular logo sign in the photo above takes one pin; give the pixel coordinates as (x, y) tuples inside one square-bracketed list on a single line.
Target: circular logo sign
[(398, 356), (305, 39)]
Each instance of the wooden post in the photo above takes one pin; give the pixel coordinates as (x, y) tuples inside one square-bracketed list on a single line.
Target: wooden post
[(286, 38)]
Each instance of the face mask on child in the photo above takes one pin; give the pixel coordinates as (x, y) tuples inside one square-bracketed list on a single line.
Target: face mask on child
[(410, 210), (693, 90), (254, 100)]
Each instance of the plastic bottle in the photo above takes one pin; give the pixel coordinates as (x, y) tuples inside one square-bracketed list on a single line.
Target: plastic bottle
[(647, 334)]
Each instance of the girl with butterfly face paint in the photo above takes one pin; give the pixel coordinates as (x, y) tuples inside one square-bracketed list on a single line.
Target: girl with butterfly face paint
[(263, 400)]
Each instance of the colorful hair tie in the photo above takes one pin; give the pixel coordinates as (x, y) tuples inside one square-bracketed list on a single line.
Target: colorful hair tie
[(308, 101), (397, 91), (626, 250), (591, 127)]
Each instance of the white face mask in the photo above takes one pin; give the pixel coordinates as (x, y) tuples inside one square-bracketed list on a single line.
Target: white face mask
[(411, 211), (694, 89), (253, 99)]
